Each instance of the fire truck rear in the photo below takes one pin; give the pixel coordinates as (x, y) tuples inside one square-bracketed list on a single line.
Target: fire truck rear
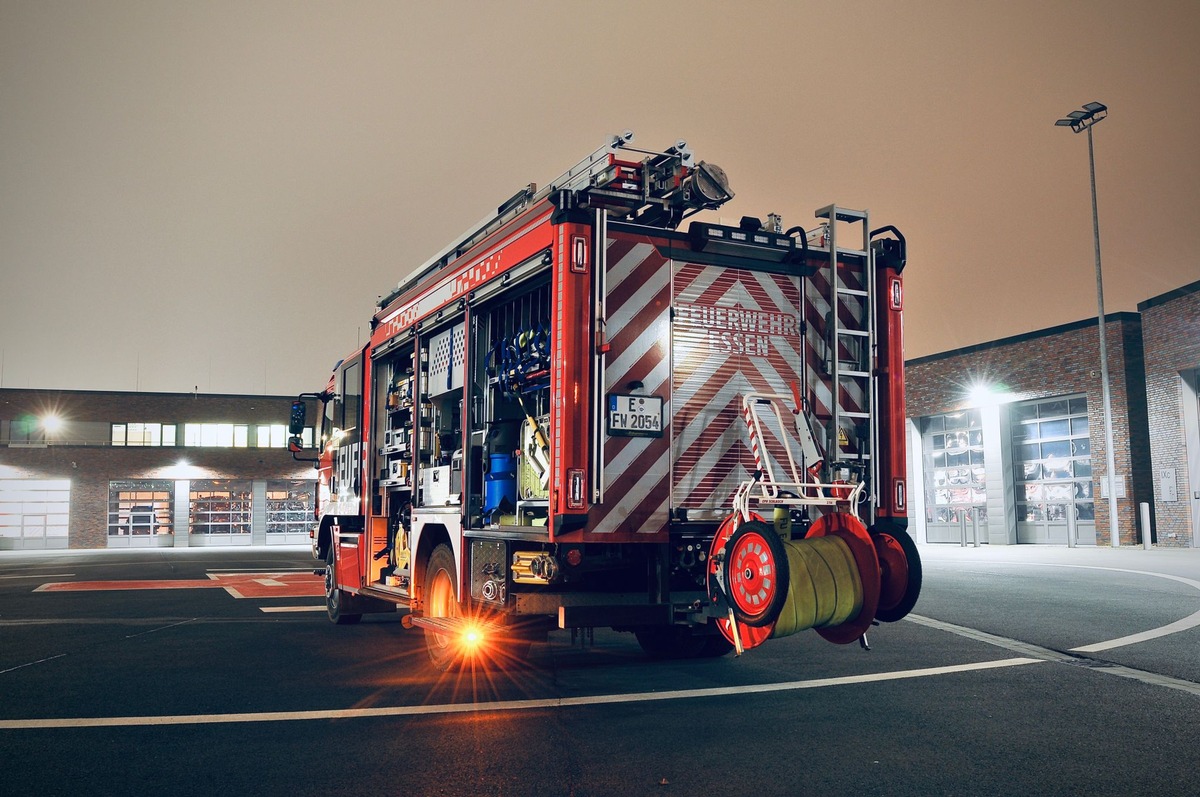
[(580, 415)]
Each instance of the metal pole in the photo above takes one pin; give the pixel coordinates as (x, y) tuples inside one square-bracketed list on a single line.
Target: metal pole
[(1145, 512), (1110, 458)]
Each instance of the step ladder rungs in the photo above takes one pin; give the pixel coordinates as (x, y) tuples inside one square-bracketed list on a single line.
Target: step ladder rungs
[(862, 333), (852, 292)]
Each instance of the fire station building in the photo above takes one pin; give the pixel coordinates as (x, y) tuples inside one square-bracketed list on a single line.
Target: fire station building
[(1007, 438), (1006, 446), (86, 469)]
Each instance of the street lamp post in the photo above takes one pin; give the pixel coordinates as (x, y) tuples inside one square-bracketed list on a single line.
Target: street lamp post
[(1079, 121)]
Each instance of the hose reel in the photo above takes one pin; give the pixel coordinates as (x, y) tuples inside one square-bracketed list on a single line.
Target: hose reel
[(836, 580)]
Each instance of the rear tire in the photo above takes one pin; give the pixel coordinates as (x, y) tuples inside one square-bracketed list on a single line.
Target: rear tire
[(913, 588), (715, 646), (336, 600), (441, 600), (670, 642)]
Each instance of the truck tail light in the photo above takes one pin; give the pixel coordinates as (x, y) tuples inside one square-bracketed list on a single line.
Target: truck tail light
[(579, 254), (576, 479)]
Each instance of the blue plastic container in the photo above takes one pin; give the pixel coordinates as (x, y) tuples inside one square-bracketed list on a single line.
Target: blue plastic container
[(500, 483)]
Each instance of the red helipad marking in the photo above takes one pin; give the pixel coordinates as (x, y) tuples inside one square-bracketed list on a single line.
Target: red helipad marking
[(271, 585), (239, 585)]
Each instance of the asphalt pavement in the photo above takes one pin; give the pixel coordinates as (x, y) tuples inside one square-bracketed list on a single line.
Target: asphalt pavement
[(1024, 670)]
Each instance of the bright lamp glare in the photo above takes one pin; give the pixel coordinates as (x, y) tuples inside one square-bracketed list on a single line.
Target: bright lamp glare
[(52, 423), (981, 394)]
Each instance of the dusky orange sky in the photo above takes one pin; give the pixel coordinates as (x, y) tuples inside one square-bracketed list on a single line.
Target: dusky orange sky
[(211, 195)]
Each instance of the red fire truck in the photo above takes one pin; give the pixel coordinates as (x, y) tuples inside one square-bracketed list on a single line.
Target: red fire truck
[(580, 415)]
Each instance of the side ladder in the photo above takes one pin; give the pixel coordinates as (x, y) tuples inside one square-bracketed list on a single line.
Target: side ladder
[(850, 345)]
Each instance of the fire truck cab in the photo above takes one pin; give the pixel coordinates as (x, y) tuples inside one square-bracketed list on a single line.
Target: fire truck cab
[(579, 415)]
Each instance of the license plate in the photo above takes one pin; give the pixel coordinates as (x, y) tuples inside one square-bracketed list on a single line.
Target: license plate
[(635, 416)]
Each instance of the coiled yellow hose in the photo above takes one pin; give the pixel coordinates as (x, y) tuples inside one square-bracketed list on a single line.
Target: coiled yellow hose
[(824, 589)]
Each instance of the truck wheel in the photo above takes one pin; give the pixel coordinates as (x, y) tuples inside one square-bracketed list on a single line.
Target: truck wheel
[(670, 642), (715, 646), (336, 599), (441, 600)]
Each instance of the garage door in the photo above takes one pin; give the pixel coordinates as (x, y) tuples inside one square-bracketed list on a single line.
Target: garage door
[(34, 513)]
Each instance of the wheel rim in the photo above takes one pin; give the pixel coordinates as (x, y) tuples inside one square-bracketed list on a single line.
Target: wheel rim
[(893, 567), (753, 576), (330, 589), (442, 603)]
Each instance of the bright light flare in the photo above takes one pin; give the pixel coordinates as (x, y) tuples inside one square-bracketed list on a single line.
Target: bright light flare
[(471, 639), (53, 423), (981, 393)]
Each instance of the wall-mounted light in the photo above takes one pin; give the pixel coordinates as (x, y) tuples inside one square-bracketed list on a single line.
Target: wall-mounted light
[(987, 394), (52, 423)]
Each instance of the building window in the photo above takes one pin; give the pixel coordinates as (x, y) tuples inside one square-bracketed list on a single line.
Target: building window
[(140, 508), (143, 434), (34, 512), (26, 432), (955, 482), (290, 506), (271, 436), (276, 435), (234, 435), (219, 507), (954, 465), (1052, 456)]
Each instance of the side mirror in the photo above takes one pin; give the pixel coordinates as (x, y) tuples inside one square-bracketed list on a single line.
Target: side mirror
[(296, 425)]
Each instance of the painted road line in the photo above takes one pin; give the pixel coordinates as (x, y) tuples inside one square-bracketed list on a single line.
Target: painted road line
[(502, 705), (1189, 622), (31, 663), (1049, 654), (237, 571), (42, 575), (104, 586), (161, 628), (272, 584), (272, 609)]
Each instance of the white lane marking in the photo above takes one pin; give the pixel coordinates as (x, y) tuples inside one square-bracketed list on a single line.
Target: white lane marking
[(270, 609), (234, 571), (501, 705), (31, 663), (1191, 621), (1048, 654), (42, 575), (161, 628), (1014, 645)]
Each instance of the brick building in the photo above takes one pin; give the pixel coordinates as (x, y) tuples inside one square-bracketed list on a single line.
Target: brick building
[(89, 469), (1171, 339), (1007, 438)]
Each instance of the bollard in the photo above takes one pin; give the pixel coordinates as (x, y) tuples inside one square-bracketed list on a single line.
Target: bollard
[(1144, 508)]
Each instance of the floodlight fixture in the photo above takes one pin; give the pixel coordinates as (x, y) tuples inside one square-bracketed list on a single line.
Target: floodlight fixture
[(1082, 120)]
